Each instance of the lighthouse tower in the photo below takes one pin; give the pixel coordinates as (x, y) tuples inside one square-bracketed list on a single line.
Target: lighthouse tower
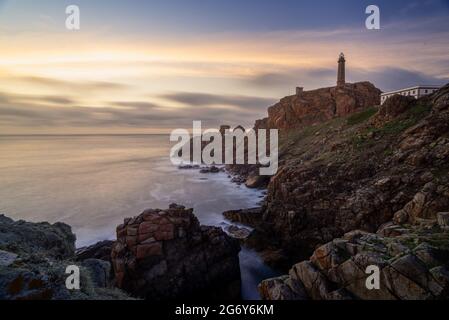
[(341, 71)]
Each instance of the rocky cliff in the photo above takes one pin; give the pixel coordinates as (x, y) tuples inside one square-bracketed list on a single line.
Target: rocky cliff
[(311, 107), (166, 254), (356, 172), (305, 110), (381, 165)]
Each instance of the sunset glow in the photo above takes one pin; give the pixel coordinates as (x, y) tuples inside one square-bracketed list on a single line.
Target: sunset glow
[(109, 65)]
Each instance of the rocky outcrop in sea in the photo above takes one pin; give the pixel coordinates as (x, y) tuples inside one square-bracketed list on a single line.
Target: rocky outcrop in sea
[(166, 254), (158, 255)]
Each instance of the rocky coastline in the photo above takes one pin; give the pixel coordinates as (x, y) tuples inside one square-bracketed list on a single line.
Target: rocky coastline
[(357, 186), (370, 188)]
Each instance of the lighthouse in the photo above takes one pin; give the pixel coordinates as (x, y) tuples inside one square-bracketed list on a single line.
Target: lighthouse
[(341, 71)]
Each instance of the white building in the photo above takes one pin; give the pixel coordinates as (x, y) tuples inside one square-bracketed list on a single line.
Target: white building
[(415, 92)]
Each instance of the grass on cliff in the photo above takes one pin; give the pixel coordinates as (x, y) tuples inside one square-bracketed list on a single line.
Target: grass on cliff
[(392, 128), (361, 117)]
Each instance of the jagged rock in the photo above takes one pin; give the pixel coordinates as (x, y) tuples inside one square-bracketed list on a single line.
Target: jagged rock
[(424, 205), (391, 108), (410, 269), (238, 233), (33, 262), (319, 105), (100, 272), (100, 250), (55, 240), (166, 254), (250, 217), (358, 176), (441, 275), (281, 288)]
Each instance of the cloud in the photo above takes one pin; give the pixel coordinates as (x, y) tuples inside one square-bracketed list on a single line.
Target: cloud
[(386, 78), (51, 99), (70, 85), (213, 110), (291, 77), (239, 102), (391, 78)]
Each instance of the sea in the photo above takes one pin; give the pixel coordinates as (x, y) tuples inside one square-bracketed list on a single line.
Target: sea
[(93, 182)]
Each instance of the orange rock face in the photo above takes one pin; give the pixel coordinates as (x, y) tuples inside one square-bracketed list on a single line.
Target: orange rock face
[(312, 107)]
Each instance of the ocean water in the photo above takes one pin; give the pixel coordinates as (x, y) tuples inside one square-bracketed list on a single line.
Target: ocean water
[(93, 182)]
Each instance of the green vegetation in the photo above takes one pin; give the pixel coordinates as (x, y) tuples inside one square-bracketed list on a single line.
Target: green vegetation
[(388, 152), (361, 117), (410, 118)]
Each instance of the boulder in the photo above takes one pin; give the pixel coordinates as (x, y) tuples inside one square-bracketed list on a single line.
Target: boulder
[(166, 254), (33, 262), (410, 269), (256, 181), (55, 240)]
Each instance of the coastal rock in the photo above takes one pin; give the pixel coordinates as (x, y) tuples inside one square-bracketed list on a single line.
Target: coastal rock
[(33, 262), (282, 288), (7, 258), (319, 105), (348, 174), (166, 254), (238, 233), (410, 269), (100, 250), (256, 181), (100, 272), (250, 217), (211, 169), (425, 205), (391, 108), (55, 240), (188, 167)]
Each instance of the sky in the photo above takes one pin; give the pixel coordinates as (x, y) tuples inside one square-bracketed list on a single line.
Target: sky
[(140, 66)]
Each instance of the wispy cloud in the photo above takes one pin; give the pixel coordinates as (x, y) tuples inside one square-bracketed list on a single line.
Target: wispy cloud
[(195, 99), (72, 85)]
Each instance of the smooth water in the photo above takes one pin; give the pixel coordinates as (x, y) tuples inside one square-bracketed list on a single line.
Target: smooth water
[(93, 182)]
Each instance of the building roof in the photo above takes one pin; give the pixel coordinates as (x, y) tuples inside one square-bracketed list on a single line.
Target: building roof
[(413, 88)]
